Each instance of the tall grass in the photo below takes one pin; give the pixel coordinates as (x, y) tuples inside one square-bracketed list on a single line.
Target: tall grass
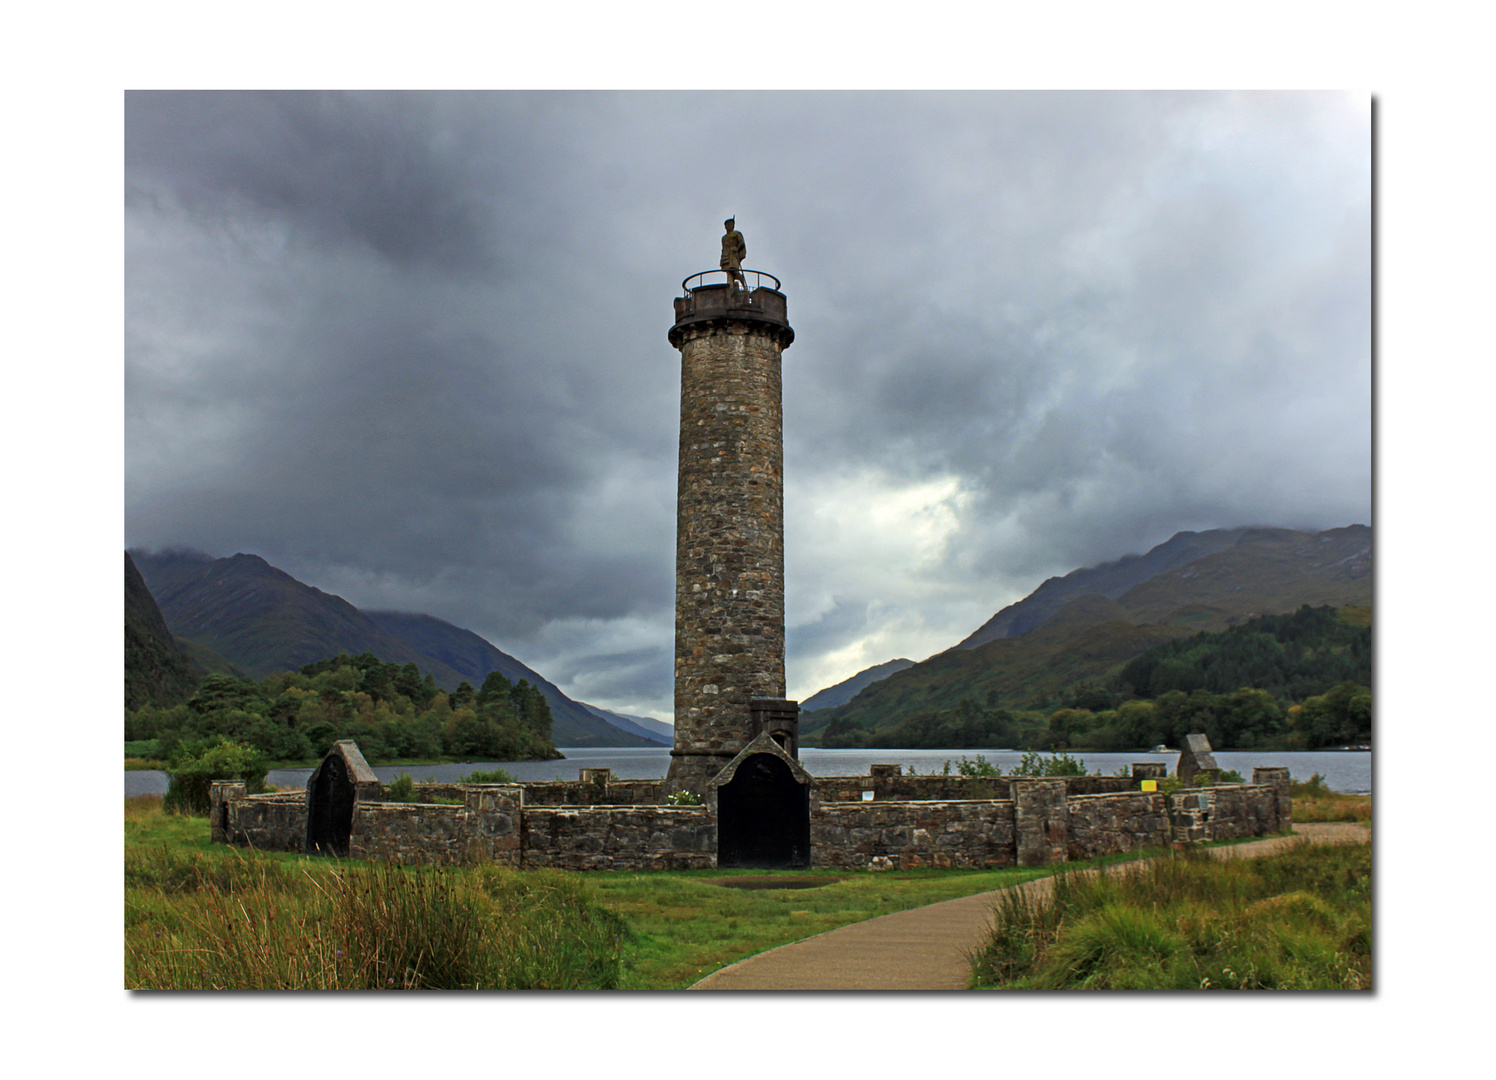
[(1297, 921), (195, 922), (1313, 801)]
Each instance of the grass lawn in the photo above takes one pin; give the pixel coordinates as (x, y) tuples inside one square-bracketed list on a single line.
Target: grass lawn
[(688, 924), (681, 925), (677, 926)]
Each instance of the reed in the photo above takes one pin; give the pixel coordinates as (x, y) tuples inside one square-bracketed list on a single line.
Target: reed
[(241, 923), (1297, 921)]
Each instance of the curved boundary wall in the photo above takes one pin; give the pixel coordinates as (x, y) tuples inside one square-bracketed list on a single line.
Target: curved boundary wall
[(879, 821)]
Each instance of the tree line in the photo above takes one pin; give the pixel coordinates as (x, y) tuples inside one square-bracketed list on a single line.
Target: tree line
[(393, 711), (1297, 681), (1245, 719)]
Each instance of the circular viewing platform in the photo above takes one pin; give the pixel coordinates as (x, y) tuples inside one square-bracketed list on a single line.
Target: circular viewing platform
[(711, 297)]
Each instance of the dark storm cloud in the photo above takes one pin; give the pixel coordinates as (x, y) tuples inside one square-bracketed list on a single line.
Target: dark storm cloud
[(411, 347), (364, 169)]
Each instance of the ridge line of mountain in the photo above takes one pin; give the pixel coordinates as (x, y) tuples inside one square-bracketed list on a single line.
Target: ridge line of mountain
[(1194, 581), (262, 620)]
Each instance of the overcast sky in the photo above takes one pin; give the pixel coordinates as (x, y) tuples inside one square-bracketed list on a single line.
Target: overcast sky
[(411, 347)]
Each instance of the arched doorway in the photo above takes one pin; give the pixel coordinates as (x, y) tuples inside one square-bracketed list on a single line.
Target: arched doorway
[(763, 816), (330, 813)]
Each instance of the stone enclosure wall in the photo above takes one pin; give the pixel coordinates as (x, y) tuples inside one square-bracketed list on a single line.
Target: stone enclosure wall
[(602, 823), (908, 834)]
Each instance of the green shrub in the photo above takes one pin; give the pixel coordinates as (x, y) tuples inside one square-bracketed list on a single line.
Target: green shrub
[(401, 789), (489, 776), (682, 798), (1313, 788), (195, 765), (1059, 764)]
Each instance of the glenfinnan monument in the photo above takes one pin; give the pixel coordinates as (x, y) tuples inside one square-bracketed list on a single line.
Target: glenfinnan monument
[(729, 532)]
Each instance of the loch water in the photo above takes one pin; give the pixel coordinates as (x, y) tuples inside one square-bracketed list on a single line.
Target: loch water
[(1344, 770)]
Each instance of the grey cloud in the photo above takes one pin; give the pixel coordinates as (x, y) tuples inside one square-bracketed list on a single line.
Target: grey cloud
[(414, 343)]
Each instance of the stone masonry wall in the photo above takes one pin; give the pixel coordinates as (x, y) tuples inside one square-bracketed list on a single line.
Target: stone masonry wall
[(1276, 777), (1224, 812), (581, 793), (606, 792), (1041, 819), (729, 561), (619, 838), (1044, 821), (913, 834), (486, 828), (888, 782), (892, 787), (273, 822), (1105, 824)]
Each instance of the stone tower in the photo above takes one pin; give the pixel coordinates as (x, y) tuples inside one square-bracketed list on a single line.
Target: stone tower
[(729, 533)]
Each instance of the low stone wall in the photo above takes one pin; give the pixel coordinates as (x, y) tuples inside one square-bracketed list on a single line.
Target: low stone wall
[(891, 787), (486, 828), (596, 788), (1226, 812), (619, 837), (607, 793), (1106, 824), (907, 834), (887, 782), (273, 822), (1101, 785), (1043, 820)]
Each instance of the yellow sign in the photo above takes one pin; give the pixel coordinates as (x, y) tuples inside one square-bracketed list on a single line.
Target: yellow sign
[(1150, 785)]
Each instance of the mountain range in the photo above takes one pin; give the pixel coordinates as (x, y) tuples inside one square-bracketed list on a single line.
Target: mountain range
[(242, 616), (261, 620), (847, 689), (1083, 627)]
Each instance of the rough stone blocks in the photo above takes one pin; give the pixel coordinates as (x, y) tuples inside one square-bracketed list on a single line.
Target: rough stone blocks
[(729, 561)]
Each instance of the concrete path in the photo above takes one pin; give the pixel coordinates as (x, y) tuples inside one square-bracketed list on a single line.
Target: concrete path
[(925, 948)]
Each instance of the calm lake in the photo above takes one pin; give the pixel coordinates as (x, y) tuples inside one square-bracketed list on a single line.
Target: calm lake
[(1344, 770)]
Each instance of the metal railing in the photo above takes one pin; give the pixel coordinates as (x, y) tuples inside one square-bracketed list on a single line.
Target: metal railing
[(719, 277)]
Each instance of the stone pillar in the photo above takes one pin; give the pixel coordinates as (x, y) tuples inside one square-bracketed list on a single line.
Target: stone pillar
[(1277, 776), (1041, 821), (883, 779), (780, 720), (729, 553), (219, 794)]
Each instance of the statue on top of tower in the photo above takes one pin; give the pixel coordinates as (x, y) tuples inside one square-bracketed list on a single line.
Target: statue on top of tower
[(734, 251)]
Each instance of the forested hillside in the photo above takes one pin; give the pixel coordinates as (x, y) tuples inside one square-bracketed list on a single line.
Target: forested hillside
[(241, 616), (157, 671), (1289, 681), (1194, 583), (392, 710)]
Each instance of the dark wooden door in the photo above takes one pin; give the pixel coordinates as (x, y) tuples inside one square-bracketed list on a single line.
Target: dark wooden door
[(763, 816), (330, 816)]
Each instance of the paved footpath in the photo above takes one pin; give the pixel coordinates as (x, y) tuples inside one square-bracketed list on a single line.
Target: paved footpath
[(925, 948)]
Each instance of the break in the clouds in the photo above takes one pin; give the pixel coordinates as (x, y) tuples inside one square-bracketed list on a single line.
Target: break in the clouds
[(411, 347)]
